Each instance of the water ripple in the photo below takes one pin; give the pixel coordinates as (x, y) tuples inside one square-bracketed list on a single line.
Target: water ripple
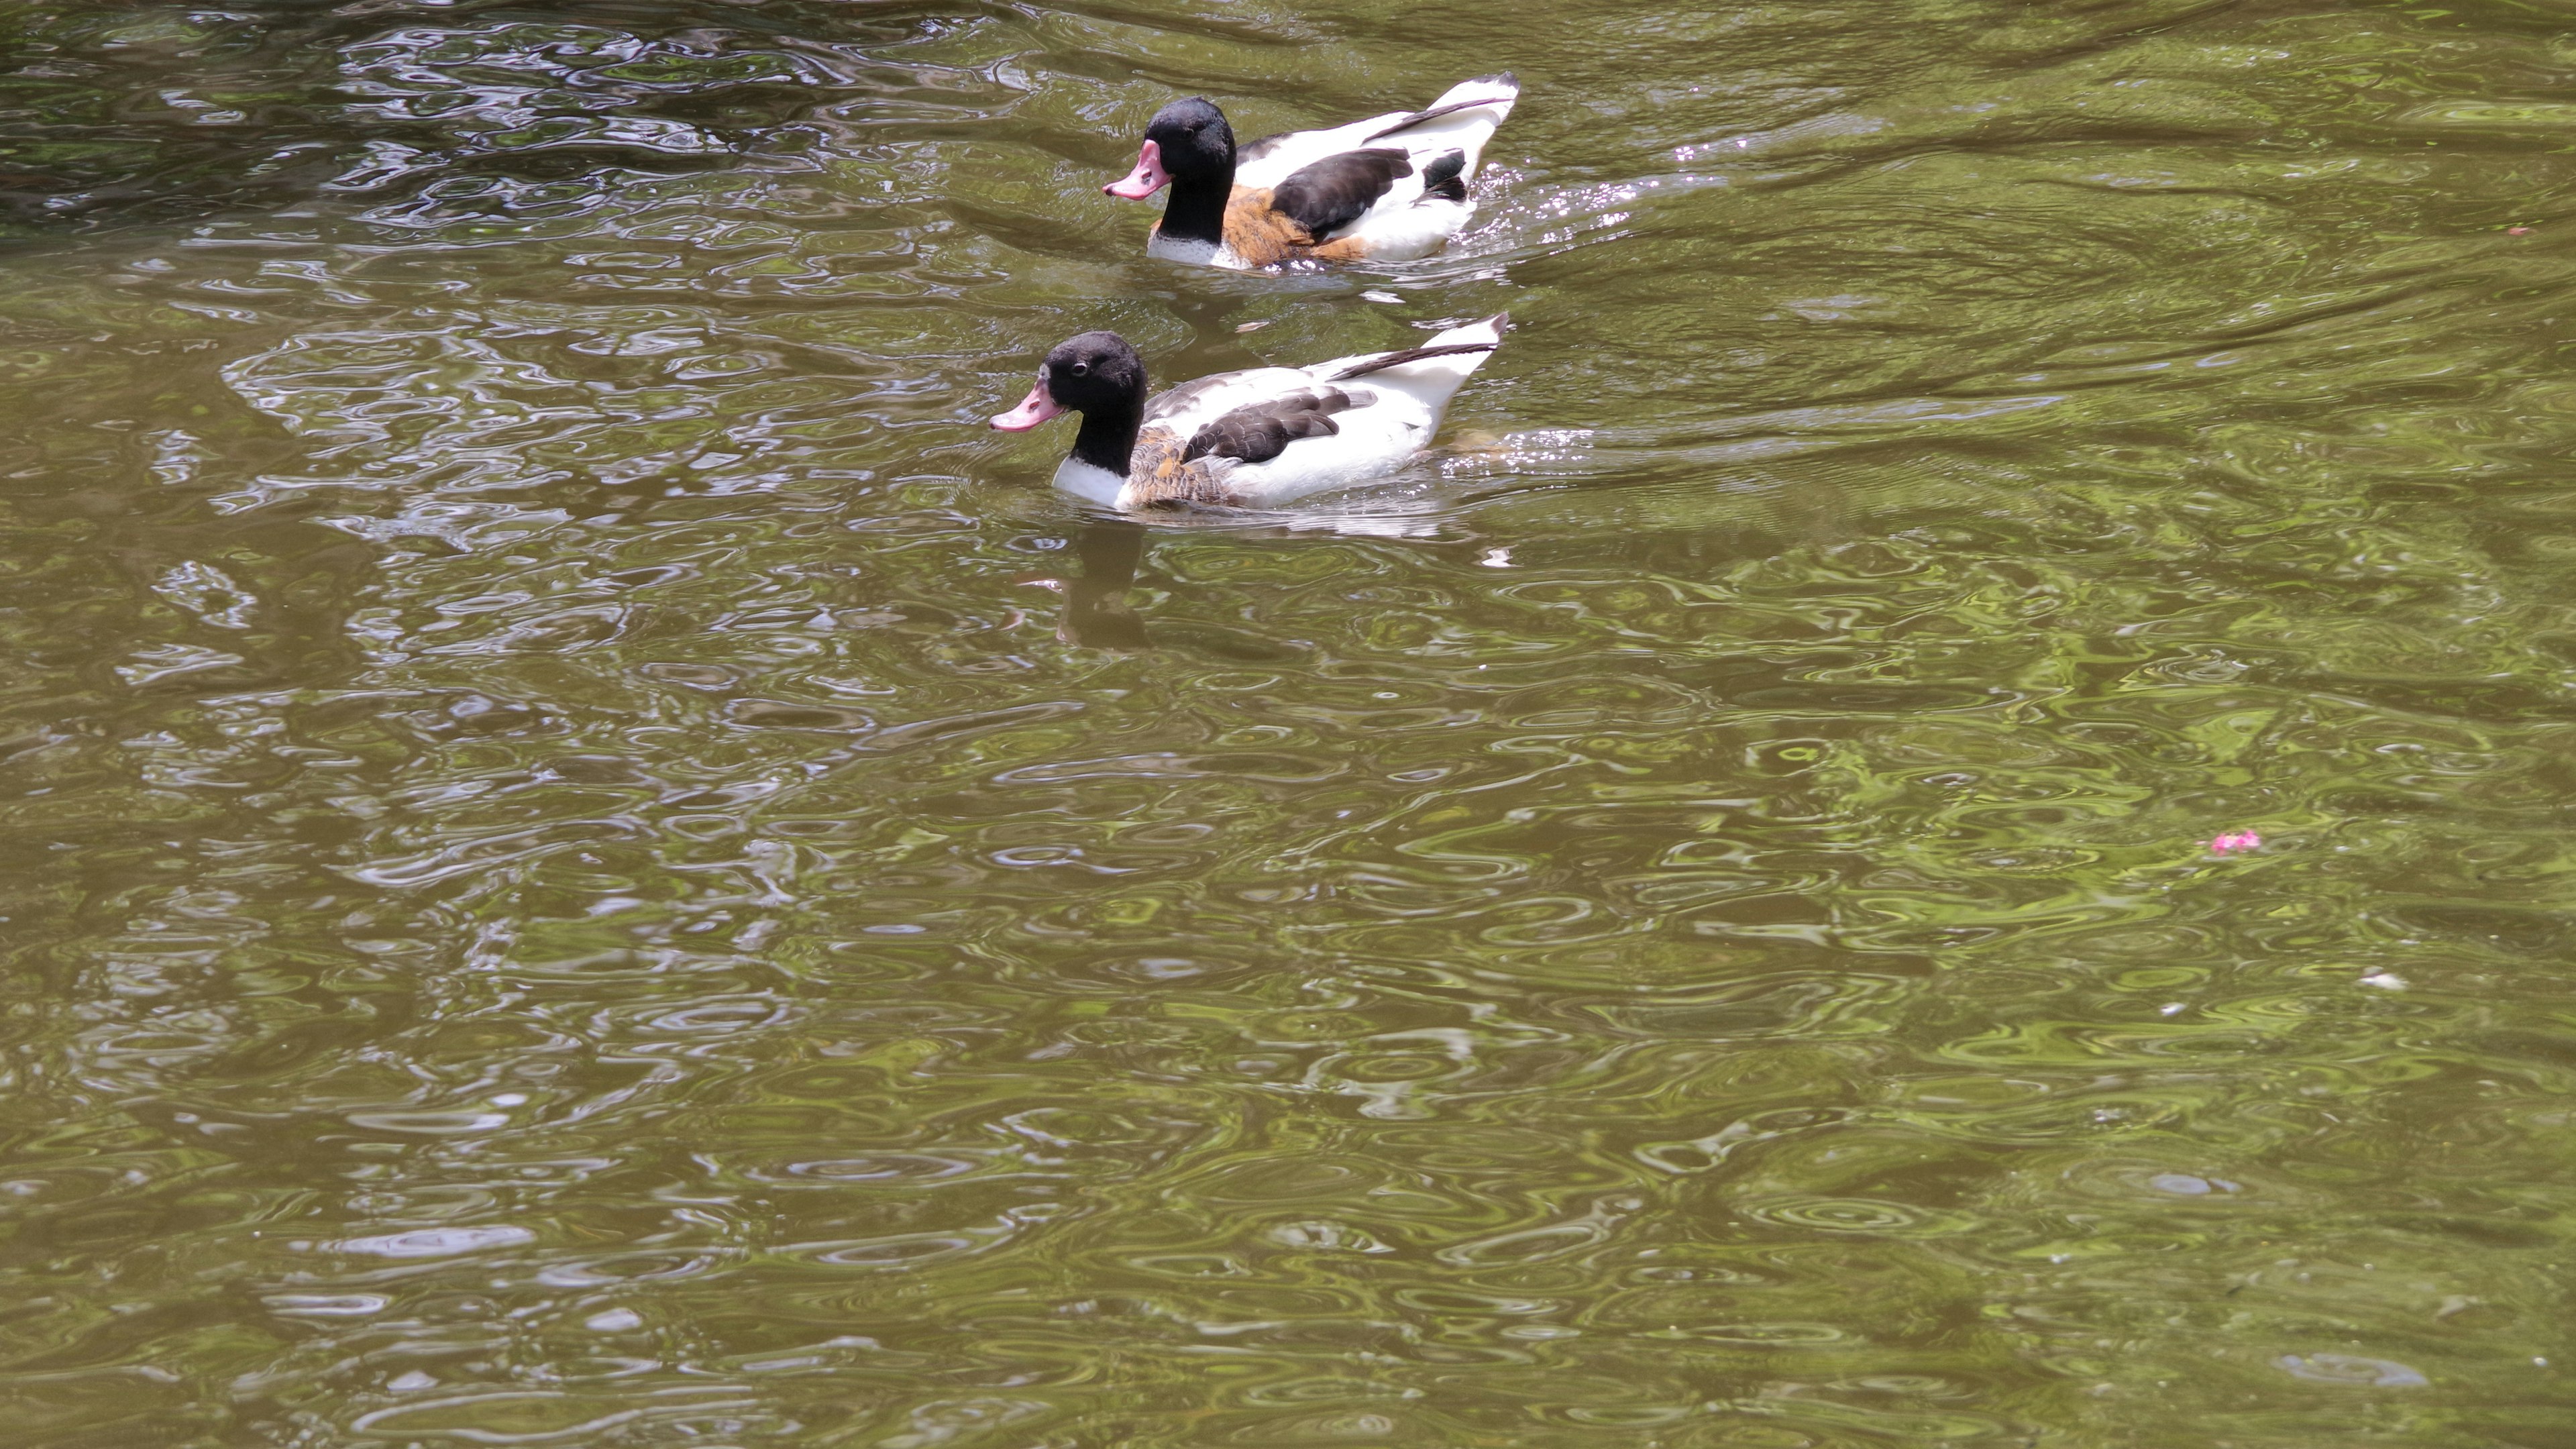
[(593, 860)]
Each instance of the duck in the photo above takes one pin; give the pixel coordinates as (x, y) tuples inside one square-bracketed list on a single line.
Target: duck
[(1391, 188), (1252, 439)]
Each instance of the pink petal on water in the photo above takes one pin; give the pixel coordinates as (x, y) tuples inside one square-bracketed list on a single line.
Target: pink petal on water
[(2235, 840)]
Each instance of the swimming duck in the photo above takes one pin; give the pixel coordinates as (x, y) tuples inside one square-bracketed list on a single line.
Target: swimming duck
[(1249, 439), (1390, 188)]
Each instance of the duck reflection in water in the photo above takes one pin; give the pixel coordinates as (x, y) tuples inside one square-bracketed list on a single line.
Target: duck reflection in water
[(1096, 612)]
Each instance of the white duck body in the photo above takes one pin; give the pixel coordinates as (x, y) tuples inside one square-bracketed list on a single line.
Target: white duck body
[(1399, 218), (1395, 401)]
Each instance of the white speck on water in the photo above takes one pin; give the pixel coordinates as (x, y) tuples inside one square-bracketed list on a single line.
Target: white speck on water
[(2352, 1371), (1387, 297), (1497, 558), (2170, 1008), (2385, 981), (510, 1099), (437, 1242), (615, 1320)]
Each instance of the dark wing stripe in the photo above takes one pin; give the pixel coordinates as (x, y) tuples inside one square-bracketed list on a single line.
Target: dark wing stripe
[(1435, 113), (1338, 190), (1411, 354)]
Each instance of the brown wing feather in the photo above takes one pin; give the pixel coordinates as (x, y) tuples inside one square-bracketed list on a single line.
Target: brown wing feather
[(1259, 432), (1330, 193)]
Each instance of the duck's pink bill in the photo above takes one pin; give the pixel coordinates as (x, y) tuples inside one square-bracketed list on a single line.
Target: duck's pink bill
[(1148, 177), (2234, 841), (1034, 409)]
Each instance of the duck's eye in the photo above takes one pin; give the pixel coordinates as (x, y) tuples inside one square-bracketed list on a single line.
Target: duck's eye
[(1082, 369)]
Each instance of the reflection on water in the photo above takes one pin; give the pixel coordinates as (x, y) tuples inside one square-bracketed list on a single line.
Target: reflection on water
[(591, 861), (1096, 611)]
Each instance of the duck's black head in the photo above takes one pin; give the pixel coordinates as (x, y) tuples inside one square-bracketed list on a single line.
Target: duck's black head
[(1196, 142), (1094, 372), (1099, 376), (1187, 145)]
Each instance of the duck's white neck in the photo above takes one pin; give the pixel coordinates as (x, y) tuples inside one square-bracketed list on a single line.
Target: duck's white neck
[(1089, 482), (1194, 253)]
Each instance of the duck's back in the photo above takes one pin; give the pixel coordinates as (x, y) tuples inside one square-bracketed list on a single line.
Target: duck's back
[(1463, 119)]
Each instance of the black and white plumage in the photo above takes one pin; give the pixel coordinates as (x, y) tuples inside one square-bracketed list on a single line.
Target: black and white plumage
[(1389, 188), (1256, 438), (1326, 196)]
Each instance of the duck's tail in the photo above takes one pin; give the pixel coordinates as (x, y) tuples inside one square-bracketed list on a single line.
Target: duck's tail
[(1463, 119), (1437, 368), (1485, 90)]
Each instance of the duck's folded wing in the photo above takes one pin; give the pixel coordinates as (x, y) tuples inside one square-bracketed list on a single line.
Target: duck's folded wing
[(1259, 432), (1255, 450), (1328, 197)]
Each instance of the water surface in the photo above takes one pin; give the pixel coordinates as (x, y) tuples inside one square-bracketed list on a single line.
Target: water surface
[(591, 862)]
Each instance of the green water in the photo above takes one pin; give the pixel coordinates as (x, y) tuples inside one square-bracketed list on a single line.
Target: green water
[(590, 861)]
